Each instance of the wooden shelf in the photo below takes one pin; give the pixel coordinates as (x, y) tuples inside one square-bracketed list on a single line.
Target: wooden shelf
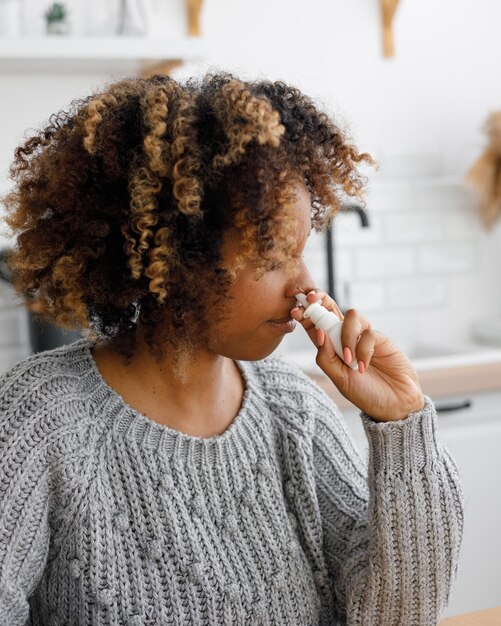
[(59, 53), (388, 9)]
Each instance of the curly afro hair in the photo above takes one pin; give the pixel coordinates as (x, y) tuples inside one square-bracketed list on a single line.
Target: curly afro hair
[(121, 203)]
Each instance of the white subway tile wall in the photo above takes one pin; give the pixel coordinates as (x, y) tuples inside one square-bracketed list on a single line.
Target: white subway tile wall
[(417, 293), (412, 227), (368, 295), (448, 257), (382, 261)]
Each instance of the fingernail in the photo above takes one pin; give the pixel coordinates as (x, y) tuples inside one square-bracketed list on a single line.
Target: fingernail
[(347, 355), (361, 367), (312, 291)]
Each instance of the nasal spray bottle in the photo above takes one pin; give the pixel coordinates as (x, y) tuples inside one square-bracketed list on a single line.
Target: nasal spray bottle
[(328, 321)]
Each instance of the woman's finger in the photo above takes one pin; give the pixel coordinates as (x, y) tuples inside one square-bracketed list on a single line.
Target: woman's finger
[(327, 302), (366, 347), (316, 296), (353, 326)]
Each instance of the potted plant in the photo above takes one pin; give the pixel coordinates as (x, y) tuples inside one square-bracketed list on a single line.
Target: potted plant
[(56, 18)]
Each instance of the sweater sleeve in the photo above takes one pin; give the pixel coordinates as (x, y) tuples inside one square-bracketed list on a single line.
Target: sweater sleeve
[(24, 527), (392, 529)]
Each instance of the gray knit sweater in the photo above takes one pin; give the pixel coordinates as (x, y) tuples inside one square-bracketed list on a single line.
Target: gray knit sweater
[(107, 517)]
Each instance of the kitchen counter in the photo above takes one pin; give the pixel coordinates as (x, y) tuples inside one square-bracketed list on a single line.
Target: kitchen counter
[(438, 376), (489, 617)]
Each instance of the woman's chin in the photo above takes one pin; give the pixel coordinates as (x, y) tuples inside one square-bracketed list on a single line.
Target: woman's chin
[(255, 351)]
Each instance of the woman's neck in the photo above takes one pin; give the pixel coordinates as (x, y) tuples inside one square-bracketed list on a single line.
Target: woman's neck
[(203, 405)]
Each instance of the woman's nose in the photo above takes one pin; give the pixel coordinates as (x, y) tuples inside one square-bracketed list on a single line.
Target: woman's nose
[(301, 279)]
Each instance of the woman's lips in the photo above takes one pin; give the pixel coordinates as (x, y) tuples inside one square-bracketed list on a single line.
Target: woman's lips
[(284, 325)]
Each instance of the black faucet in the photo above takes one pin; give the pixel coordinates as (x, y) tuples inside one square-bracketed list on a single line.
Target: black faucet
[(347, 208)]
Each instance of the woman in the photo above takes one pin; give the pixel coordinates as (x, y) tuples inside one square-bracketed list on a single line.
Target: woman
[(164, 469)]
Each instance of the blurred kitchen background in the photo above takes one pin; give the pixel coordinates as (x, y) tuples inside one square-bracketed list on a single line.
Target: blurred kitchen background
[(414, 83)]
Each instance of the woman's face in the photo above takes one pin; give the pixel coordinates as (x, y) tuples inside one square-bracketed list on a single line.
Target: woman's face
[(247, 333)]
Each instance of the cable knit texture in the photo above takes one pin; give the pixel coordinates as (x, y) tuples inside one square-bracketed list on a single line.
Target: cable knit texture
[(108, 517)]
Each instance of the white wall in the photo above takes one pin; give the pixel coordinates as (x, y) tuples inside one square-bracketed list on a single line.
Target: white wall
[(437, 89)]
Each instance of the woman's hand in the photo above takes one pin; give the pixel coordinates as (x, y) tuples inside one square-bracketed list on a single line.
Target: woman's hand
[(386, 385)]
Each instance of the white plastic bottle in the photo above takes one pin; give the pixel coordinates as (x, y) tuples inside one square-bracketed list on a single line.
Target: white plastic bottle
[(328, 321)]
